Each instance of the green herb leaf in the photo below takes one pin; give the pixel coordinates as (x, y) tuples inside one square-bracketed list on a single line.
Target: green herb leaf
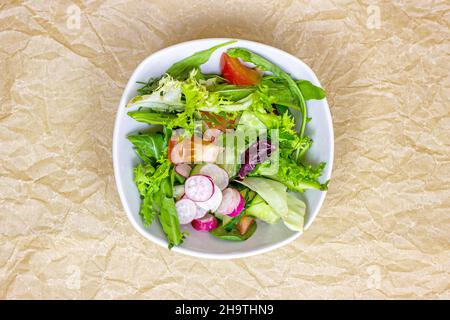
[(149, 86), (181, 69), (234, 234), (310, 91), (168, 218), (147, 116), (149, 146)]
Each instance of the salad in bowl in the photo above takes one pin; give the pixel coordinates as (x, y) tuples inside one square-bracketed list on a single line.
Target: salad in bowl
[(223, 153)]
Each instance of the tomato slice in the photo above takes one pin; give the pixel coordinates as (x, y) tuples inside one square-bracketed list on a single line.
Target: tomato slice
[(171, 145), (244, 224), (235, 72)]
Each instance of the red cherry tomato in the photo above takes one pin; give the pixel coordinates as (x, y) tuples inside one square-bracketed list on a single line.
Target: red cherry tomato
[(235, 72)]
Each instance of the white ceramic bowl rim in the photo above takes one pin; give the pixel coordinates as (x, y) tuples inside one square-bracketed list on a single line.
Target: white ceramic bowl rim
[(182, 249)]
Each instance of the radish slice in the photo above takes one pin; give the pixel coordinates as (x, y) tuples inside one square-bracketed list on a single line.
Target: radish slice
[(186, 210), (178, 191), (218, 175), (183, 169), (199, 187), (239, 207), (212, 203), (231, 199), (211, 134), (200, 213), (206, 223)]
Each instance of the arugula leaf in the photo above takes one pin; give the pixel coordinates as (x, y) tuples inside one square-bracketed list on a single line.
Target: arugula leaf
[(168, 216), (149, 86), (149, 146), (150, 117), (232, 223), (182, 68), (310, 91), (233, 92), (234, 234), (277, 90), (266, 65)]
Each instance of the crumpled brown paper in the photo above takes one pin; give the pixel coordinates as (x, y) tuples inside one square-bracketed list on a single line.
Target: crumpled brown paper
[(384, 229)]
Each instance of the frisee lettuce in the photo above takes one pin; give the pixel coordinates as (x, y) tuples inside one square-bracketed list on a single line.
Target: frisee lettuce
[(297, 177), (165, 98)]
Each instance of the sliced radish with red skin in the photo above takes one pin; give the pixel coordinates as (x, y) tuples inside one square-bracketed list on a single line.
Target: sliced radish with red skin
[(211, 134), (218, 175), (212, 203), (200, 213), (239, 207), (234, 202), (186, 210), (207, 223), (199, 187), (178, 191), (183, 169), (230, 201)]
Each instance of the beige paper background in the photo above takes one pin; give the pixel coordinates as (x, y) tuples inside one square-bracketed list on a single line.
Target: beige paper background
[(384, 229)]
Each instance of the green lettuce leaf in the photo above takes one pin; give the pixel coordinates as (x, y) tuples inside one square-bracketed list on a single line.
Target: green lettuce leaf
[(273, 192), (296, 214), (261, 210), (273, 202), (165, 98)]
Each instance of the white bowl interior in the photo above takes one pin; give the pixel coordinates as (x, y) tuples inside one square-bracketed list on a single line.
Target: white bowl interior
[(201, 244)]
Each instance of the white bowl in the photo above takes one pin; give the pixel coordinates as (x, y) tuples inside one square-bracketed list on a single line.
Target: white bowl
[(201, 244)]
